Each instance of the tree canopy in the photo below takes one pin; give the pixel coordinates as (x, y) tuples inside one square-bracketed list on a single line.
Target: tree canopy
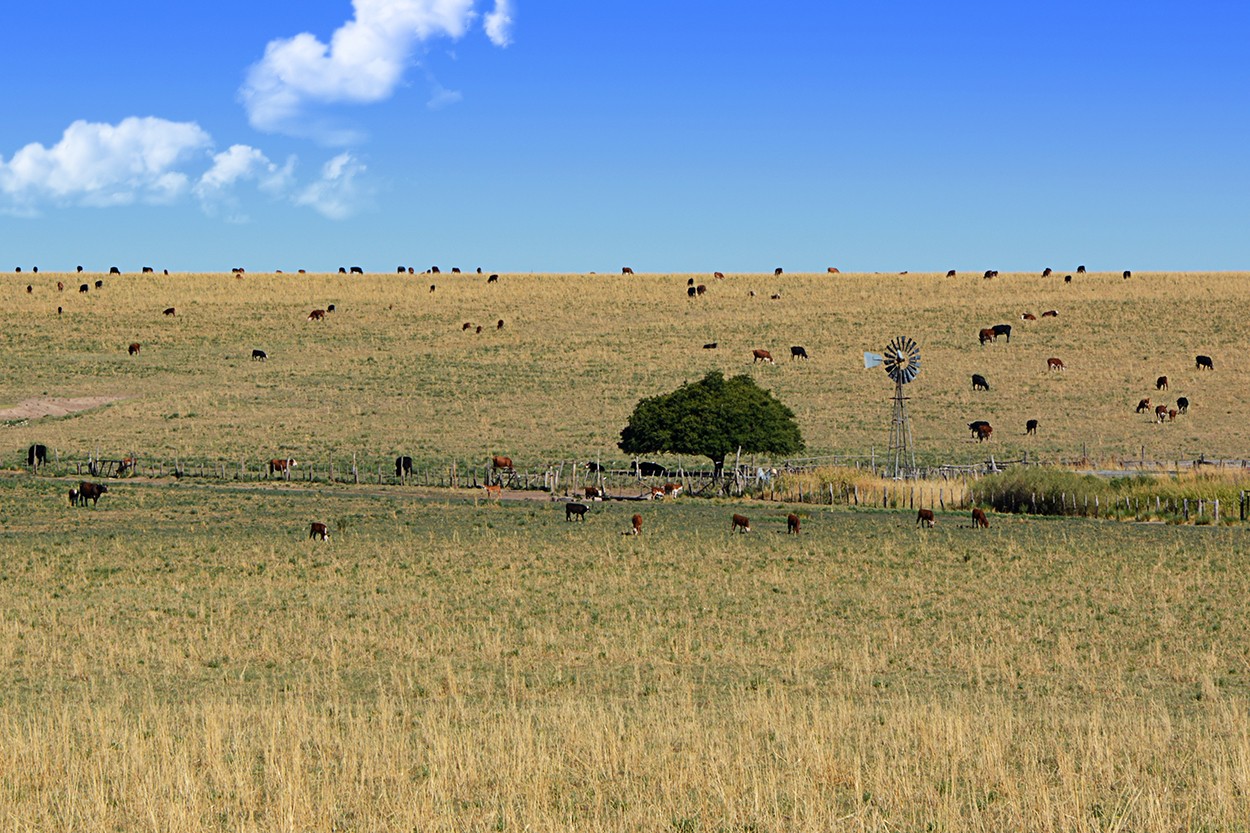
[(712, 418)]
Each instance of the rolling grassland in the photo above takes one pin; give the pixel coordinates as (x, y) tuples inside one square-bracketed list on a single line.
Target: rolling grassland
[(393, 371), (183, 658)]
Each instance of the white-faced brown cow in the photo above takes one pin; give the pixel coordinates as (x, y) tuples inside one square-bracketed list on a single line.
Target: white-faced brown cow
[(762, 356)]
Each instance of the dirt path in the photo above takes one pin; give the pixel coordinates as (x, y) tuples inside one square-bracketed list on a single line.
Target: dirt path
[(46, 406)]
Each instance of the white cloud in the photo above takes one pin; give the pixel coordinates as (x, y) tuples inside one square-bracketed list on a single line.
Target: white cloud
[(498, 23), (363, 63), (151, 160), (98, 164), (339, 193)]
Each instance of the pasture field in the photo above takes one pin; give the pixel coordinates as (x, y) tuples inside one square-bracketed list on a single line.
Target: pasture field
[(183, 658), (392, 371)]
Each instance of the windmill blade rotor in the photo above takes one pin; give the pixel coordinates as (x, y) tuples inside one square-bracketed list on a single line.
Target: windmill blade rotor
[(902, 359)]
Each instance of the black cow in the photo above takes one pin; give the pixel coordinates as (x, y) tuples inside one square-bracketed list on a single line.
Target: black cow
[(1204, 362), (403, 467), (401, 270), (36, 456), (950, 274), (84, 288), (1003, 330), (690, 292), (90, 492), (797, 352), (356, 270), (979, 383), (80, 269), (646, 469), (259, 355), (1128, 274), (1080, 270), (493, 279), (113, 270), (99, 284), (1182, 404), (1067, 279), (711, 345), (147, 270), (777, 272), (575, 509), (975, 427), (1030, 427)]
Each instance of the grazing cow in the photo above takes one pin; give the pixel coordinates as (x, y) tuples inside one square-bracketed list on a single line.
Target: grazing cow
[(593, 466), (29, 289), (1030, 427), (166, 271), (317, 315), (672, 489), (282, 467), (1161, 383), (1127, 274), (776, 296), (1050, 313), (975, 427), (575, 510), (1204, 362), (792, 524), (740, 523), (169, 311), (478, 331), (432, 288), (636, 529), (1161, 411), (833, 270), (466, 326), (1172, 414), (762, 356), (147, 270), (989, 273), (319, 531), (73, 496), (925, 516), (951, 273), (113, 270), (1054, 364), (690, 292), (986, 334), (411, 271), (134, 348), (797, 352), (60, 287), (979, 383), (84, 288), (479, 270), (979, 521), (79, 270), (1080, 270), (1003, 330), (494, 492), (983, 432), (259, 355), (656, 493), (625, 270), (711, 345), (647, 469), (434, 270), (330, 308), (356, 270), (493, 279), (1067, 279), (689, 281), (127, 464), (99, 284), (718, 275), (1143, 405), (455, 270), (403, 467), (401, 270), (593, 493), (499, 324), (1028, 316), (90, 492), (1046, 273), (342, 270), (777, 272), (1182, 405), (36, 456), (700, 289), (501, 463)]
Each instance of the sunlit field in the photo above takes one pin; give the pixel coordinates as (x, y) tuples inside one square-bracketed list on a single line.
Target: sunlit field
[(393, 371), (183, 658)]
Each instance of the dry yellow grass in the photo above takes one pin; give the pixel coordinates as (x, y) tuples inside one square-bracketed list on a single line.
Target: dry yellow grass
[(392, 371)]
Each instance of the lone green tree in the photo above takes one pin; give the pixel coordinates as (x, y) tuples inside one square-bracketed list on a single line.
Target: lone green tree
[(712, 418)]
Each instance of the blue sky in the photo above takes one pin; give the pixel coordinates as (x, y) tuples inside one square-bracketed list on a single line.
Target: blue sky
[(519, 135)]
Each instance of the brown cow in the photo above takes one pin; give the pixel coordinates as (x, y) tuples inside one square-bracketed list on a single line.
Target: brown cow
[(319, 530), (951, 273), (499, 324), (1046, 273), (283, 467), (833, 270), (627, 271), (978, 519), (60, 287), (169, 311), (1161, 411), (1172, 415), (594, 493), (672, 489), (1161, 383), (29, 289), (1054, 364), (133, 348), (494, 491), (718, 275), (792, 524), (501, 463), (1143, 405), (466, 326), (636, 520), (762, 356), (90, 492), (925, 516), (988, 334), (1028, 316), (740, 523), (317, 315), (478, 331), (1050, 313), (984, 430), (700, 289)]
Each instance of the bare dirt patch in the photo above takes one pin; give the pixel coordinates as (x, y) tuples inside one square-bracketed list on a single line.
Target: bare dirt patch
[(57, 406)]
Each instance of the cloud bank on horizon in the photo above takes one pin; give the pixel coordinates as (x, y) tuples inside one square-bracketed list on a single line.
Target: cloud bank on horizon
[(363, 63), (154, 161)]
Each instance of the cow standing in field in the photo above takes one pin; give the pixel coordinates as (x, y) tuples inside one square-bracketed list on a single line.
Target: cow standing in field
[(1003, 330), (1080, 270), (797, 352), (593, 493), (113, 270), (647, 469), (403, 467), (134, 348), (282, 467), (777, 272), (636, 525), (718, 275), (1182, 404), (983, 432), (1161, 412), (979, 521), (1046, 273), (90, 492), (356, 270), (73, 496), (762, 356), (979, 382), (259, 356), (1161, 383), (986, 334), (1055, 364), (925, 517), (36, 456), (1204, 363), (740, 523), (833, 270), (318, 531), (494, 492), (501, 463), (951, 273), (975, 427), (1030, 427), (1127, 274), (1143, 405), (169, 311), (792, 524), (317, 315), (625, 270), (575, 511)]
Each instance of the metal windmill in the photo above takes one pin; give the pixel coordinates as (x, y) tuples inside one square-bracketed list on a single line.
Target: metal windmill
[(901, 360)]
